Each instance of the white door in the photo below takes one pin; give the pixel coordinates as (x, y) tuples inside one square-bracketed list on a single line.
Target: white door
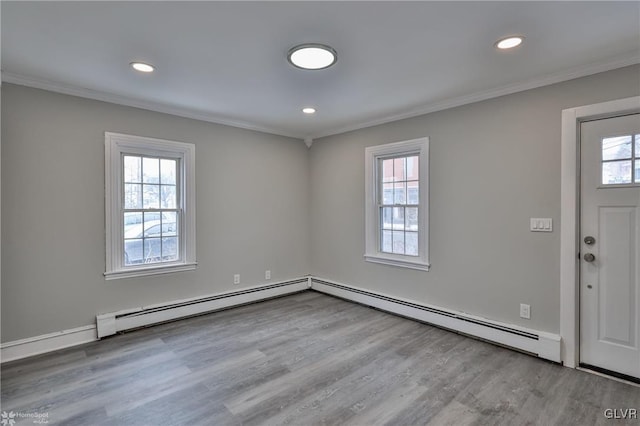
[(610, 244)]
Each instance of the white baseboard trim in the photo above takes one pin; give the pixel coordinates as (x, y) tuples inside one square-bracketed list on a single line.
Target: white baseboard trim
[(113, 322), (37, 345), (542, 344)]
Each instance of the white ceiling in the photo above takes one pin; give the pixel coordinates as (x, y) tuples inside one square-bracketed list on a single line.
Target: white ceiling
[(226, 61)]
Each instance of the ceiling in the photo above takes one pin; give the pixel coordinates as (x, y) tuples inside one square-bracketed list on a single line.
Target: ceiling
[(226, 62)]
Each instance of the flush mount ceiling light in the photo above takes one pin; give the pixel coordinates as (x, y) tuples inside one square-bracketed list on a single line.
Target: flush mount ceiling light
[(309, 110), (312, 56), (509, 42), (142, 67)]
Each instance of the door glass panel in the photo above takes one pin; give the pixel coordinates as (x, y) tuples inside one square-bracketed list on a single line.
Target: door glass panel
[(617, 148), (616, 172)]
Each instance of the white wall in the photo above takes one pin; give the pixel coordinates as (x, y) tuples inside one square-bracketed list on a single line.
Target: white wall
[(252, 210), (494, 164)]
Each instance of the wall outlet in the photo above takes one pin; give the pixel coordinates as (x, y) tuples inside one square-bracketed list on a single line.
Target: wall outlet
[(236, 279), (267, 274), (525, 311)]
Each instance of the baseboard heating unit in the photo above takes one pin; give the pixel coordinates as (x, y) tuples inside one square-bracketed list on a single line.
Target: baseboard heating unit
[(111, 323), (542, 344)]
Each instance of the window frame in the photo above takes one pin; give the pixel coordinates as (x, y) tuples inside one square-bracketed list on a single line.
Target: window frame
[(373, 190), (116, 146)]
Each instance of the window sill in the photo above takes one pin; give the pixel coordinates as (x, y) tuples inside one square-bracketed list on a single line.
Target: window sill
[(150, 270), (401, 263)]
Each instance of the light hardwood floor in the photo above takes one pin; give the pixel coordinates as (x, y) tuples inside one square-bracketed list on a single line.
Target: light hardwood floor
[(304, 359)]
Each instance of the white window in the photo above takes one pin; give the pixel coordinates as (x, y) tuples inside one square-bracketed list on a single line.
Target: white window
[(150, 206), (397, 204)]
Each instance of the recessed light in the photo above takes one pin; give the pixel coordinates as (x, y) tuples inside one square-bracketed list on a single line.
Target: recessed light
[(509, 42), (309, 110), (142, 67), (312, 56)]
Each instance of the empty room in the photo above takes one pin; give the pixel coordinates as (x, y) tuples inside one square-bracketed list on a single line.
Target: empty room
[(320, 213)]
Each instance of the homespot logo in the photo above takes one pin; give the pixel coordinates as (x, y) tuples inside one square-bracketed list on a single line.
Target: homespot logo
[(621, 413)]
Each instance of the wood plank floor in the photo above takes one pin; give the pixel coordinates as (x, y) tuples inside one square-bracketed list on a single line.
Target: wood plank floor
[(304, 359)]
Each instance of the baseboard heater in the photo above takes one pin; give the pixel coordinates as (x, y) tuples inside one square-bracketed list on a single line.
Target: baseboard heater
[(111, 323), (542, 344)]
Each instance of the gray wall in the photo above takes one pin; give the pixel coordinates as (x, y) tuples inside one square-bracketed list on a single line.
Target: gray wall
[(494, 164), (252, 210), (266, 202)]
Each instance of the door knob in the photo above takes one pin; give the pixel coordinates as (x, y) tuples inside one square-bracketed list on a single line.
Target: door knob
[(589, 257)]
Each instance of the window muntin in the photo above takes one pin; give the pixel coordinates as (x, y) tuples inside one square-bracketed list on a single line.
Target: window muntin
[(396, 199), (150, 206), (621, 160), (151, 209), (398, 207)]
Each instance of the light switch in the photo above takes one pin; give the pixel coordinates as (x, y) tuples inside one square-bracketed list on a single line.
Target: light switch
[(541, 224)]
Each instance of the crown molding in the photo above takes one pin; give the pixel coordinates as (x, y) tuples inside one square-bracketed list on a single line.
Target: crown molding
[(97, 95), (570, 74)]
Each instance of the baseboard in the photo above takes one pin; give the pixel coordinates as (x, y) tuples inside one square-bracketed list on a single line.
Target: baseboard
[(37, 345), (542, 344), (111, 323)]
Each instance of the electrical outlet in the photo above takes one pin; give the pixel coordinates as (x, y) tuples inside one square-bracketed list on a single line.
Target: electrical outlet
[(525, 311), (236, 279), (267, 274)]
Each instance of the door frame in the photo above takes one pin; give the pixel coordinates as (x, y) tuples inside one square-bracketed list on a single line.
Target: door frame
[(570, 217)]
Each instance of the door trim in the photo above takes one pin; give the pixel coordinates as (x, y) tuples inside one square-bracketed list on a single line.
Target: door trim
[(570, 220)]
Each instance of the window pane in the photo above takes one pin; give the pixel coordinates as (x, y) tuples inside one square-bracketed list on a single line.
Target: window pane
[(413, 193), (169, 249), (616, 148), (412, 218), (132, 196), (152, 226), (168, 197), (169, 224), (150, 170), (131, 219), (151, 196), (637, 146), (387, 243), (387, 170), (398, 242), (387, 217), (133, 252), (411, 243), (412, 168), (132, 169), (168, 171), (398, 218), (387, 193), (400, 193), (399, 169), (616, 172), (152, 250), (637, 171)]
